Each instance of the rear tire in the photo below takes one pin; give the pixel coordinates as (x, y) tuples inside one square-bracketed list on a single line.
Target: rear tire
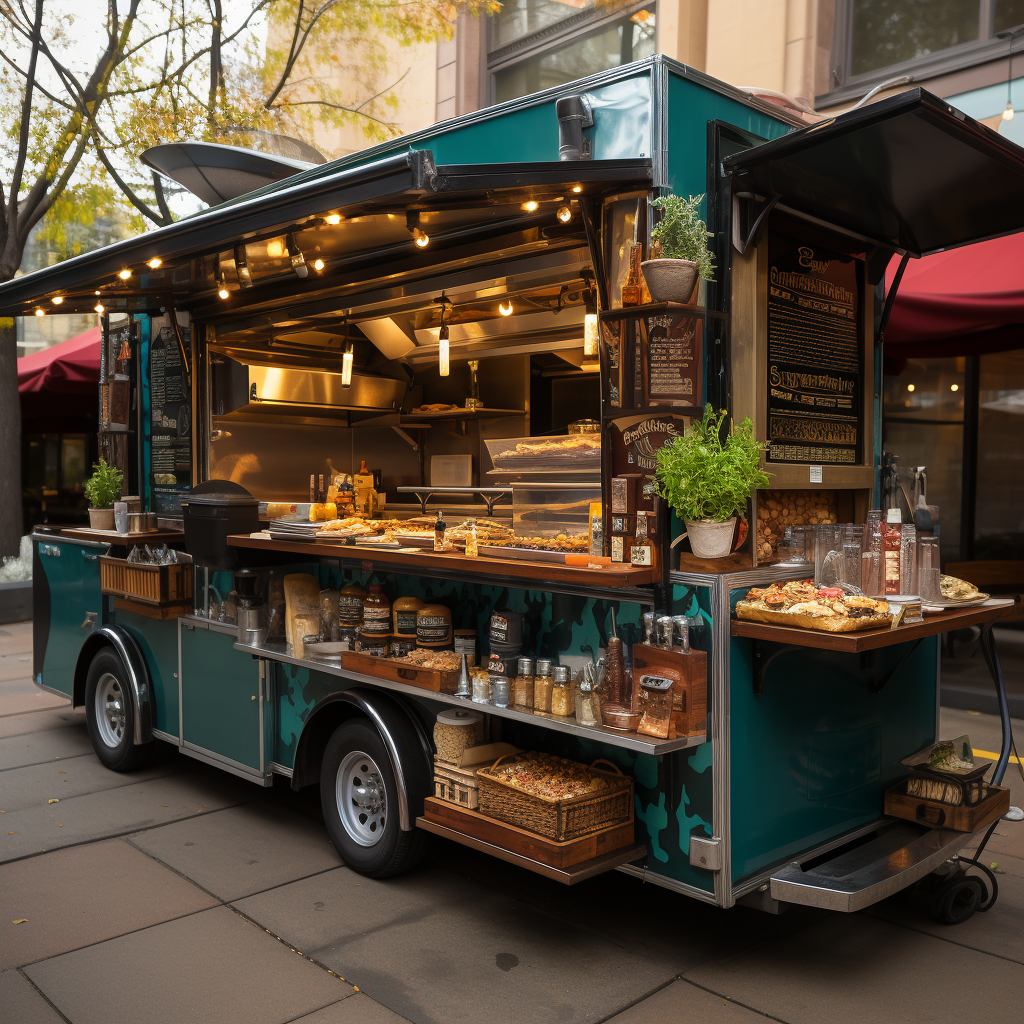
[(110, 714), (957, 901), (359, 797)]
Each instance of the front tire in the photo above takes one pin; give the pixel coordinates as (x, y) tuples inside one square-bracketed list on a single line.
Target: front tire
[(359, 796), (110, 714)]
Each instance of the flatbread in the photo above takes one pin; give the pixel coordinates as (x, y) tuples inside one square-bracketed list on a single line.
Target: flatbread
[(954, 589), (798, 620)]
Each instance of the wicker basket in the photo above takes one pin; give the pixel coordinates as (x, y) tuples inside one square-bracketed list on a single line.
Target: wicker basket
[(559, 819), (151, 584)]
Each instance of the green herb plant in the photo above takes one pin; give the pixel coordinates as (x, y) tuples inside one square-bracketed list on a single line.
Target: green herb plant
[(704, 479), (103, 488), (682, 233)]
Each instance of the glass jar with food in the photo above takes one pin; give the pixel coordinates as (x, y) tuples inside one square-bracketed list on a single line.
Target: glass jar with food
[(376, 615), (542, 684), (434, 627), (403, 612), (522, 687), (350, 605), (562, 694)]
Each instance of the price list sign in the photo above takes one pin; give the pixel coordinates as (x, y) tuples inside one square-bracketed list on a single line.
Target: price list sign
[(170, 420), (814, 354), (675, 359)]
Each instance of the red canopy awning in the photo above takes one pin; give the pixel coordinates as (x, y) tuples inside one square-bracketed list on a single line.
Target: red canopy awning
[(966, 301), (71, 367)]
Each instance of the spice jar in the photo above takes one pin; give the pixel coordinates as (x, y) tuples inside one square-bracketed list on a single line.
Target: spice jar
[(376, 615), (499, 691), (562, 699), (542, 685), (481, 688), (434, 627), (455, 730), (404, 615), (522, 687), (655, 706), (350, 605)]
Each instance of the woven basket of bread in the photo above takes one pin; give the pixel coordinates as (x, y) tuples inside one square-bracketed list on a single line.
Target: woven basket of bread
[(798, 620), (524, 790)]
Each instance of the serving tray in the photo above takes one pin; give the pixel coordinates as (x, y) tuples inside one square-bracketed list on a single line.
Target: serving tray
[(829, 624)]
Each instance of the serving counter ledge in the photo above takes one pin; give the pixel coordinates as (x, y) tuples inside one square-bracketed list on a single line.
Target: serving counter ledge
[(630, 741)]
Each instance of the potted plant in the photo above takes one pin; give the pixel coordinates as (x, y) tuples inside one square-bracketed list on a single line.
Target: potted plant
[(707, 482), (682, 238), (102, 489)]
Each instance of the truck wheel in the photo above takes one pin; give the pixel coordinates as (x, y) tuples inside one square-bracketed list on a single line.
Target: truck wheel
[(110, 714), (957, 901), (360, 803)]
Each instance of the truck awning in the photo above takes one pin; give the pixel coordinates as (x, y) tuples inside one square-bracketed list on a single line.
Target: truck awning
[(310, 235), (910, 173)]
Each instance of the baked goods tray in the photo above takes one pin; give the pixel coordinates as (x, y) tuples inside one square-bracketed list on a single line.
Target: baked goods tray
[(524, 554), (829, 624)]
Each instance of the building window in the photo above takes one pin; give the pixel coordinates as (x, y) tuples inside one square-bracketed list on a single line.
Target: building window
[(877, 39), (539, 44)]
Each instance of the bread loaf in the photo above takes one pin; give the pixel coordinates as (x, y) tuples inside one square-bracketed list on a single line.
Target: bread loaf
[(301, 597)]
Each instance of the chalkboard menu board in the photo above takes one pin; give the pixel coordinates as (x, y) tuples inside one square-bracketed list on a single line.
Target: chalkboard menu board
[(815, 399), (170, 419), (675, 359)]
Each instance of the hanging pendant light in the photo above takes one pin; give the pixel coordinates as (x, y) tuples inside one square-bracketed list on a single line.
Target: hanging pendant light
[(443, 350), (590, 327), (1009, 35), (346, 366)]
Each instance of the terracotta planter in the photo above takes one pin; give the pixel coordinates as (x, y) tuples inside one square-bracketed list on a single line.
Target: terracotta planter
[(101, 518), (710, 539), (670, 280)]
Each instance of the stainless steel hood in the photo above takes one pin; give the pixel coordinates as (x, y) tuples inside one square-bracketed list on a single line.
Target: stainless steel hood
[(306, 389)]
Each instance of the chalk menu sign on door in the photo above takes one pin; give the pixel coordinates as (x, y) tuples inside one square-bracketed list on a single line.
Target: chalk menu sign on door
[(814, 358), (170, 419), (675, 359)]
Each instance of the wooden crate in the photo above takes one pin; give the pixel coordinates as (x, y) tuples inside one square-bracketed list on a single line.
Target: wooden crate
[(458, 786), (528, 844), (388, 668), (150, 584), (689, 675), (934, 814)]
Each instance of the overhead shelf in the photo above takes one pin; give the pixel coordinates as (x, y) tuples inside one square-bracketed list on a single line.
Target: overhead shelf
[(458, 414)]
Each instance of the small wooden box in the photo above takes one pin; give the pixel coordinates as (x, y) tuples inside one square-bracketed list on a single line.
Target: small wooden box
[(457, 786), (934, 814), (398, 672), (689, 674), (150, 584)]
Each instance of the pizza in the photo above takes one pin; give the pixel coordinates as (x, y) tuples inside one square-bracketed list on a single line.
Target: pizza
[(954, 589)]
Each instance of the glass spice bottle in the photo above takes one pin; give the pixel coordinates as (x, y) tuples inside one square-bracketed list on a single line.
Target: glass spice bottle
[(542, 685), (892, 546), (522, 686), (562, 699)]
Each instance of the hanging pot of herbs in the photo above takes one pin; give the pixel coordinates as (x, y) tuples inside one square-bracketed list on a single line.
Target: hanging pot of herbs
[(680, 239)]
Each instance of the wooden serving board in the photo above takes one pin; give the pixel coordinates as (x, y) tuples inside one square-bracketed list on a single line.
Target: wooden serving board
[(527, 844), (388, 668), (935, 814), (825, 624)]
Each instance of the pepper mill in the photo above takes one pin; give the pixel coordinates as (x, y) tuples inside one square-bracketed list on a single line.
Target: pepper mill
[(682, 632), (665, 627)]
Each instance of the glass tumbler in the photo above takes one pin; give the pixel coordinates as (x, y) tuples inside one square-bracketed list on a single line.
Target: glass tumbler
[(853, 544), (928, 569)]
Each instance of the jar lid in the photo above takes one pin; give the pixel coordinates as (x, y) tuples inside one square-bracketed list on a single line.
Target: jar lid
[(457, 716), (526, 666), (543, 666), (406, 604), (561, 673), (894, 516)]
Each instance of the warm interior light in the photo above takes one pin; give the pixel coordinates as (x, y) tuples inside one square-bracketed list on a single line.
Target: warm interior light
[(422, 238), (505, 309), (57, 299), (155, 263), (577, 188), (1008, 112), (124, 274), (297, 258), (96, 292), (954, 387), (242, 271), (99, 308), (910, 387), (530, 205), (564, 214), (275, 250), (333, 218), (442, 351), (39, 312), (222, 291), (590, 335), (346, 366), (318, 265)]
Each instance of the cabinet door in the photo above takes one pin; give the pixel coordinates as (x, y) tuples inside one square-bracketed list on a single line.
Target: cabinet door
[(71, 577), (220, 697)]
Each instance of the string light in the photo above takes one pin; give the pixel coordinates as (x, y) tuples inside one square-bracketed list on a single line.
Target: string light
[(275, 250), (954, 387), (318, 265), (564, 214), (99, 307), (577, 189), (124, 274), (422, 239), (297, 258), (155, 263), (910, 387), (333, 218), (505, 310), (412, 223), (39, 312), (530, 205), (222, 289), (57, 299), (346, 366)]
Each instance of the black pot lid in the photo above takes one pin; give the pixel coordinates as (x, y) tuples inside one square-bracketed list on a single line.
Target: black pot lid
[(219, 492)]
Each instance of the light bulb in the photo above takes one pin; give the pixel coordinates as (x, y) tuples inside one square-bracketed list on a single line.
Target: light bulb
[(318, 266), (346, 367), (124, 274), (333, 218), (155, 263), (505, 310), (222, 291), (39, 312), (442, 351), (954, 387), (577, 189), (99, 308), (530, 205), (57, 299), (1008, 112), (564, 214), (590, 334), (422, 239), (910, 387)]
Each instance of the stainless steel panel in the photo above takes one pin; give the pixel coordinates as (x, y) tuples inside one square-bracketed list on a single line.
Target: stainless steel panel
[(858, 878), (287, 386)]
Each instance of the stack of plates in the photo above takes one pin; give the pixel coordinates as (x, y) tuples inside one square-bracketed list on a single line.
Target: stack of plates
[(282, 529)]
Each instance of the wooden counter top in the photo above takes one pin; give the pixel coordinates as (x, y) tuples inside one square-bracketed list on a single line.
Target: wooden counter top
[(451, 564), (870, 639), (113, 537)]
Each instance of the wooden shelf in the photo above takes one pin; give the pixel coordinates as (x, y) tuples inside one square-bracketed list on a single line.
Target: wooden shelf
[(458, 414), (553, 575), (869, 639)]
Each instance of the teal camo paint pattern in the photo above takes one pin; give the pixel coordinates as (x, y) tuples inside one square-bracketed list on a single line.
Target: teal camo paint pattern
[(158, 643), (813, 755)]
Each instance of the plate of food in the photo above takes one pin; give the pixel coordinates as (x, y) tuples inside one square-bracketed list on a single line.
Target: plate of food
[(802, 604), (956, 593)]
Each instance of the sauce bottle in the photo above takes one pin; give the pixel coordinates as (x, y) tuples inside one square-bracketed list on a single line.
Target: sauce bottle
[(892, 546), (439, 527)]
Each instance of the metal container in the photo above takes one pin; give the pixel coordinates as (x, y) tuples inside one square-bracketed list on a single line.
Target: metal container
[(141, 522)]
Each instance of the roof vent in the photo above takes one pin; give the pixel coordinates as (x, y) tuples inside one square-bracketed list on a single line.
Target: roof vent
[(574, 114)]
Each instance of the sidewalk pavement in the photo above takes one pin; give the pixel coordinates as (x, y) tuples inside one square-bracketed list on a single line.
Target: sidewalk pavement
[(183, 894)]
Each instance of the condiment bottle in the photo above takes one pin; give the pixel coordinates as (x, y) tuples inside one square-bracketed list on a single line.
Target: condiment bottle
[(472, 547), (522, 687), (434, 627), (350, 605), (562, 699), (542, 685), (439, 527), (403, 613), (892, 547), (376, 614)]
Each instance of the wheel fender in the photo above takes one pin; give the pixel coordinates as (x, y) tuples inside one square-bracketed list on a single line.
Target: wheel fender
[(131, 657), (400, 731)]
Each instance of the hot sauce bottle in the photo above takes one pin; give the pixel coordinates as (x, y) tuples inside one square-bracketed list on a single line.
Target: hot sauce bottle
[(892, 543), (439, 527)]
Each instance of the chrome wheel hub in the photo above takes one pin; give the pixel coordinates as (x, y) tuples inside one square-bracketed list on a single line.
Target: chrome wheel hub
[(110, 715), (362, 799)]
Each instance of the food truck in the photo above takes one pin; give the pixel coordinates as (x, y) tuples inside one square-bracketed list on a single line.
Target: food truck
[(406, 407)]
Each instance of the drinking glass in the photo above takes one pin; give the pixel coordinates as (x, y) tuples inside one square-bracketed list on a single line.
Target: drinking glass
[(827, 542), (908, 560), (929, 569), (853, 543)]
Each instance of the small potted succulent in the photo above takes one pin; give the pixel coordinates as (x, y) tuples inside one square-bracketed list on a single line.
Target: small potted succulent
[(102, 489), (707, 482), (682, 238)]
